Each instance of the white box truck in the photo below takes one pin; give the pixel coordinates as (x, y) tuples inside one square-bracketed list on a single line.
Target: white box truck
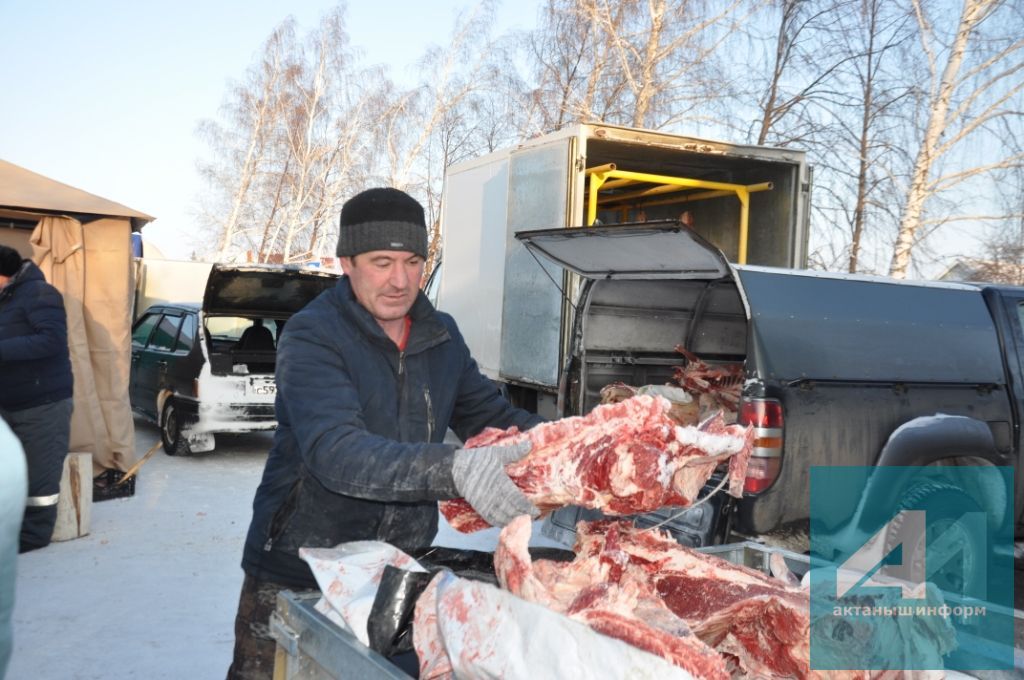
[(516, 314)]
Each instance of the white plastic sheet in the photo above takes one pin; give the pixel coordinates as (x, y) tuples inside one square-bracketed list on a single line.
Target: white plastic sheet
[(349, 576), (486, 632)]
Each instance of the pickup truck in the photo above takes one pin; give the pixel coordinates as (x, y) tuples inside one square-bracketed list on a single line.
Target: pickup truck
[(839, 369)]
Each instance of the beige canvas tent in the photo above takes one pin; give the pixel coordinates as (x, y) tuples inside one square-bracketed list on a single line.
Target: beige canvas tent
[(82, 244)]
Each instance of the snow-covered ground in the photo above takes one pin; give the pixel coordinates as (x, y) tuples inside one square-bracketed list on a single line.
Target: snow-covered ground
[(151, 592)]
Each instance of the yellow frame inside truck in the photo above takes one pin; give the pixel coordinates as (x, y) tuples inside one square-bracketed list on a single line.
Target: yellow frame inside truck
[(608, 176)]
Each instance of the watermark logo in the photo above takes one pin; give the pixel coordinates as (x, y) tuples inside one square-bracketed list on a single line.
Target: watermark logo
[(912, 568)]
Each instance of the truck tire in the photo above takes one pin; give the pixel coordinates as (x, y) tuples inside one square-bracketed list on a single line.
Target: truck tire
[(175, 443), (945, 506)]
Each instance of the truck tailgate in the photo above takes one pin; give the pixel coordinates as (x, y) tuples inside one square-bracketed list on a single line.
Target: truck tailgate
[(311, 647)]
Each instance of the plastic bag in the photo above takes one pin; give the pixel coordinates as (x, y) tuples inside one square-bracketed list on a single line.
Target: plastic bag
[(390, 624)]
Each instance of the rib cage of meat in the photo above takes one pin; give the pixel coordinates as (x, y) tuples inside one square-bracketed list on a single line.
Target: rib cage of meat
[(702, 613), (621, 458), (722, 384)]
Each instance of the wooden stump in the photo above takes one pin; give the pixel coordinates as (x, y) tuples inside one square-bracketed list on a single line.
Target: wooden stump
[(74, 508)]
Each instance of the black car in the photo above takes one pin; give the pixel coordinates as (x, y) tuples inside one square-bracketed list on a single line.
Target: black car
[(205, 368)]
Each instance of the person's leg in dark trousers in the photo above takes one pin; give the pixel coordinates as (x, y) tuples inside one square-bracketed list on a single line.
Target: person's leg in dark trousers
[(254, 647), (44, 432)]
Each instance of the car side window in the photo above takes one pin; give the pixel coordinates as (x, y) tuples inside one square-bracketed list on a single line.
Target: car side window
[(166, 333), (142, 330), (187, 336)]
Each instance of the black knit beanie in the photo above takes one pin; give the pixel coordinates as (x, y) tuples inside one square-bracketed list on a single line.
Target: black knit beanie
[(382, 219)]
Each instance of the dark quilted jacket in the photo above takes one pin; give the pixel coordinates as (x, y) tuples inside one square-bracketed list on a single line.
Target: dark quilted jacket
[(358, 453), (35, 367)]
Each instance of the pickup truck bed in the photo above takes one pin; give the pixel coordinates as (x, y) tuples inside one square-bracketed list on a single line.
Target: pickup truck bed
[(311, 647)]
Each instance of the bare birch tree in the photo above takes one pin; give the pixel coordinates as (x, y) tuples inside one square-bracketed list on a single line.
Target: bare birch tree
[(801, 79), (295, 140), (974, 80), (645, 63), (567, 62), (662, 55), (240, 144), (453, 113), (323, 142), (871, 87), (1002, 259)]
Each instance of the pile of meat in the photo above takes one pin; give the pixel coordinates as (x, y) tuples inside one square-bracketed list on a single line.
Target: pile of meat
[(721, 384), (700, 390), (623, 458), (708, 616)]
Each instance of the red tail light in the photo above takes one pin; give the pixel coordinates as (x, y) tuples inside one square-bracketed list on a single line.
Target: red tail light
[(766, 461), (761, 474), (761, 413)]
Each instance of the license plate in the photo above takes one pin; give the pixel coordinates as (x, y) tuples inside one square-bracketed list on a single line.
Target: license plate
[(264, 389)]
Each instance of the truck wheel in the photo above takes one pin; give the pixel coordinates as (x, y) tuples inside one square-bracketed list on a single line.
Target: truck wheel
[(945, 507), (175, 443)]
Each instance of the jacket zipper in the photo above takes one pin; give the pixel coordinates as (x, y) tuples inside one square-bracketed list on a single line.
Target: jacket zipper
[(430, 414), (401, 389)]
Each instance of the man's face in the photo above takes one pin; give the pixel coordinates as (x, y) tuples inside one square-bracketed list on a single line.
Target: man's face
[(3, 281), (385, 282)]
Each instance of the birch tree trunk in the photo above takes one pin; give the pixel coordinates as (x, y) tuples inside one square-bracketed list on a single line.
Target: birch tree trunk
[(939, 100), (262, 105)]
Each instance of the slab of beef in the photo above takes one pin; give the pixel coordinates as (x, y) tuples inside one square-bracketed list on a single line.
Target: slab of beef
[(724, 618), (619, 603), (622, 458), (642, 587)]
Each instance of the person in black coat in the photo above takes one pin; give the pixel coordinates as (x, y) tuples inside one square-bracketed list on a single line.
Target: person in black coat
[(369, 377), (37, 386)]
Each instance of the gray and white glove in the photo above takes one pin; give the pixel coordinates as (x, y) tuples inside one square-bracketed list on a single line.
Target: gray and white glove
[(481, 479)]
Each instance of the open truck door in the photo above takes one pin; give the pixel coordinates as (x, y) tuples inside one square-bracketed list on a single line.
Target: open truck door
[(659, 255), (646, 250)]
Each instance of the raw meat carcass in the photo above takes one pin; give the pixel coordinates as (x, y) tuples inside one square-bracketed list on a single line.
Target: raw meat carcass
[(620, 603), (621, 458), (714, 386), (757, 626)]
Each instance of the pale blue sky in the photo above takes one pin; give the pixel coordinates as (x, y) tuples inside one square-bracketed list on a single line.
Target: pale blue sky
[(105, 95)]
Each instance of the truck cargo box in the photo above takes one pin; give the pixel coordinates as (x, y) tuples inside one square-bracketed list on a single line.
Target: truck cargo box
[(515, 321)]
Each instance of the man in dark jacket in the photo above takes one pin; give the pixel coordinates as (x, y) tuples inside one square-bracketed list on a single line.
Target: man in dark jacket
[(369, 377), (37, 384)]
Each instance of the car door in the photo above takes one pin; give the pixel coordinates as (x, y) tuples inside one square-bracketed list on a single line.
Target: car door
[(140, 338), (185, 362), (153, 361)]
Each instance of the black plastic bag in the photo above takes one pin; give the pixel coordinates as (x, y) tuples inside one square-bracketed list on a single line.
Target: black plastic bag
[(390, 624)]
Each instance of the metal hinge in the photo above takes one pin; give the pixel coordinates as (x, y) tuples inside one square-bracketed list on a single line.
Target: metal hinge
[(287, 638)]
